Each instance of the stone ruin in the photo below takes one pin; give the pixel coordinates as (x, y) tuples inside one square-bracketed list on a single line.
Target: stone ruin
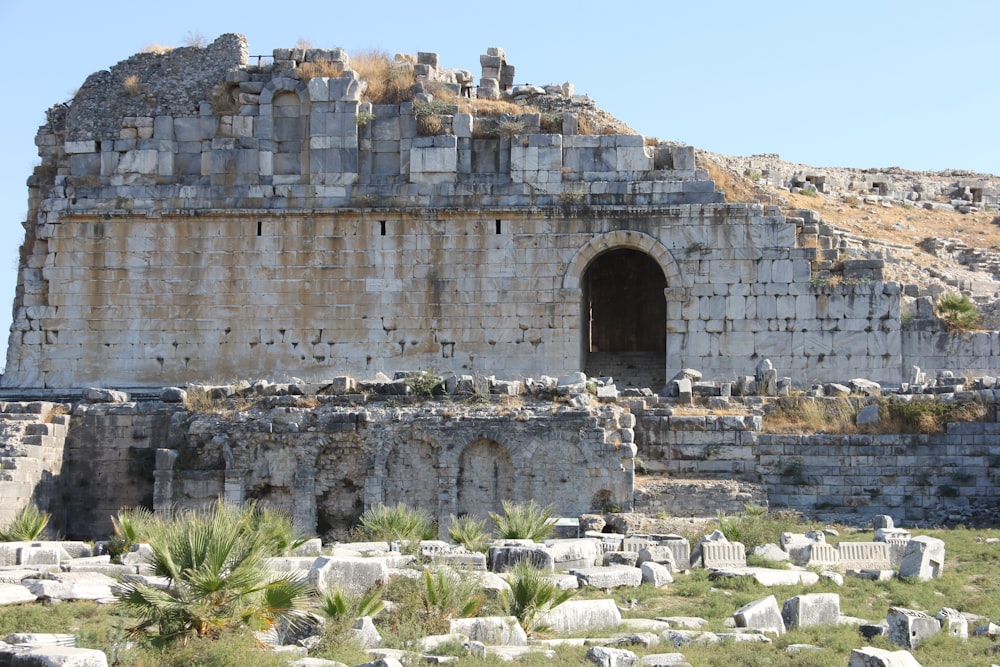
[(197, 216)]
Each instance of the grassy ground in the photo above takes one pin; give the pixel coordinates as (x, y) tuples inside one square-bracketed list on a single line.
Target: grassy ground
[(969, 584)]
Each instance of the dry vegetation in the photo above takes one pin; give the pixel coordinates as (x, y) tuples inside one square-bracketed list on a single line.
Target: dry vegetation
[(804, 414)]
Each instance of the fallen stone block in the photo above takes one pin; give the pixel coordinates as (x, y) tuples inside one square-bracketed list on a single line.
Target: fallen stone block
[(490, 630), (953, 623), (505, 556), (656, 574), (573, 553), (611, 576), (664, 660), (582, 615), (351, 575), (909, 628), (662, 555), (72, 586), (769, 577), (723, 554), (771, 553), (611, 657), (879, 657), (629, 558), (864, 556), (59, 656), (817, 554), (811, 609), (762, 615), (923, 558), (15, 594)]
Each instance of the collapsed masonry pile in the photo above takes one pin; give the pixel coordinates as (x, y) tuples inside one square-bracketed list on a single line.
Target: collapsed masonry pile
[(54, 571)]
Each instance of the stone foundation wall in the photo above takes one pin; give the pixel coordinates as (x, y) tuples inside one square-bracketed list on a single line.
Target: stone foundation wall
[(32, 440)]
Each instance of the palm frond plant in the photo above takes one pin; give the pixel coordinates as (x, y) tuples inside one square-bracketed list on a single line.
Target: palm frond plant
[(470, 532), (218, 578), (26, 525), (524, 521), (531, 595), (129, 525), (400, 522), (276, 527)]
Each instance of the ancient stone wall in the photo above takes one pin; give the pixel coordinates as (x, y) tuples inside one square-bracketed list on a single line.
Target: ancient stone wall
[(32, 443)]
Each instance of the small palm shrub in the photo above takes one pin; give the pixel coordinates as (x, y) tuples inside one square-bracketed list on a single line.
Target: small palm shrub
[(396, 522), (959, 312), (130, 527), (447, 595), (275, 526), (470, 532), (531, 595), (27, 525), (218, 578), (338, 605), (524, 521)]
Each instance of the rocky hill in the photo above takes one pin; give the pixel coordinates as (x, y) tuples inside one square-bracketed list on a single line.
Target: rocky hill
[(936, 231)]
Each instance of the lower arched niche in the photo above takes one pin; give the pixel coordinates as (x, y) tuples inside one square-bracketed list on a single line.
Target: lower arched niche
[(485, 478), (411, 477)]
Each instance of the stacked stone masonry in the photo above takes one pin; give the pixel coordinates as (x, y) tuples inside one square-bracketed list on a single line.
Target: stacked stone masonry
[(197, 217)]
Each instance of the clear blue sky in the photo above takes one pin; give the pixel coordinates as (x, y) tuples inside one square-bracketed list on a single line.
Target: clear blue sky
[(847, 83)]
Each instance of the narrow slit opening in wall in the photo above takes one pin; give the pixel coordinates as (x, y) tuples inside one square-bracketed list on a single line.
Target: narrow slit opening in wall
[(381, 224), (260, 227), (498, 227)]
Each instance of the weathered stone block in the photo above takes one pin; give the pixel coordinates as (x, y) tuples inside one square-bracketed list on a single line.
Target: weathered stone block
[(923, 558), (352, 575), (762, 615), (504, 557), (582, 616), (603, 656), (611, 576), (811, 609), (493, 630), (880, 657), (909, 628)]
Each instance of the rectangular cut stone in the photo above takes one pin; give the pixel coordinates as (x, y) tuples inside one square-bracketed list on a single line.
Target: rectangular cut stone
[(864, 556), (723, 554)]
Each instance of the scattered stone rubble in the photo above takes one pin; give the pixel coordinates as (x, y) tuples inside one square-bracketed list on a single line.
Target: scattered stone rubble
[(54, 571)]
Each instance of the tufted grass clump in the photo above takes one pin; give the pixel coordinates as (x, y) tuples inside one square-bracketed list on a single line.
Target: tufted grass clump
[(470, 532), (959, 312), (27, 525), (524, 521), (532, 593), (389, 523), (130, 526)]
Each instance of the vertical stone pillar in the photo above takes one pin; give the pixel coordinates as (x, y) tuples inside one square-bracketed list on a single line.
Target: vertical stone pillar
[(163, 479), (304, 498)]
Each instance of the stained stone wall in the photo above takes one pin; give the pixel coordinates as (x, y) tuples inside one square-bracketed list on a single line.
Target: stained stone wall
[(199, 217)]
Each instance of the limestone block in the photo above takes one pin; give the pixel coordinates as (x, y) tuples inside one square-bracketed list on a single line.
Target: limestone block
[(582, 615), (352, 575), (38, 555), (811, 609), (573, 553), (603, 656), (766, 576), (880, 657), (953, 623), (365, 633), (660, 554), (609, 576), (505, 556), (923, 558), (723, 554), (11, 593), (656, 574), (59, 656), (771, 553), (492, 630), (864, 556), (629, 558), (818, 554), (909, 628), (762, 615), (72, 586)]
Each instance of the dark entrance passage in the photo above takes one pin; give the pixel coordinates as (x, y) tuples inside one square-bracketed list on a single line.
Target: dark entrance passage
[(624, 318)]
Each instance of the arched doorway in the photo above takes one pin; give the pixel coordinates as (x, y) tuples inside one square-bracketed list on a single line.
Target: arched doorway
[(624, 319)]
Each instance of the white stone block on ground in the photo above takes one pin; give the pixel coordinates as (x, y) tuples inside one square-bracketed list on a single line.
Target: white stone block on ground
[(59, 656), (923, 558), (762, 615), (573, 553), (582, 615), (490, 630), (664, 660), (656, 574), (909, 628), (505, 556), (611, 657), (610, 576), (953, 623), (351, 575), (811, 609), (770, 577), (663, 555), (879, 657), (15, 594), (72, 586), (723, 554)]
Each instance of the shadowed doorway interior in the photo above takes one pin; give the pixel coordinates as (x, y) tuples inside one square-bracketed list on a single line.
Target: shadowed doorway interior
[(624, 319)]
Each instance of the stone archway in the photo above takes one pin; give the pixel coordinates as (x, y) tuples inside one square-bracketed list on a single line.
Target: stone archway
[(485, 478), (624, 317)]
